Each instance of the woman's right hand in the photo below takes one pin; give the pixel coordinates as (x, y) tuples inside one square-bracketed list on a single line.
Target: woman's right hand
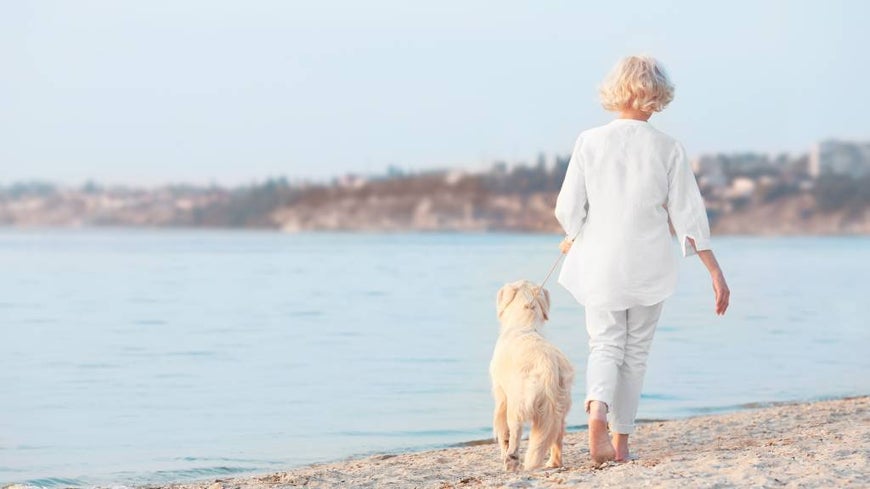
[(565, 245)]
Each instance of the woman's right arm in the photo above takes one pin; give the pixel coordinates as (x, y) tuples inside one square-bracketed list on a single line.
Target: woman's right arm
[(571, 202)]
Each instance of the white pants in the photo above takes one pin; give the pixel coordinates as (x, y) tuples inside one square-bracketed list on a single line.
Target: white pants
[(619, 343)]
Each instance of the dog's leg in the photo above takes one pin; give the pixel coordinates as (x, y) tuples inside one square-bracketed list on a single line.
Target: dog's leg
[(539, 442), (499, 423), (556, 450), (515, 429)]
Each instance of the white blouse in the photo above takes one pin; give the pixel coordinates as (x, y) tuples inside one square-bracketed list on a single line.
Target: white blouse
[(624, 180)]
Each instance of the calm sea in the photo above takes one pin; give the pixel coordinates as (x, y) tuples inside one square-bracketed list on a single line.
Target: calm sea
[(149, 356)]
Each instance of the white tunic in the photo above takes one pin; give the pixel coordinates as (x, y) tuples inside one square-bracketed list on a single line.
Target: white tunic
[(624, 180)]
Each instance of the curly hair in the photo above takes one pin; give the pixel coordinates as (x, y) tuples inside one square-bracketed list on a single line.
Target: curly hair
[(637, 82)]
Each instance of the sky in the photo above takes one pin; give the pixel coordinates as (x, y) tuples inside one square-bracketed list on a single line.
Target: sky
[(200, 91)]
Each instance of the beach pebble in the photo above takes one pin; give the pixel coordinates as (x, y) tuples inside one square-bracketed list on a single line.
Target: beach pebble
[(517, 484)]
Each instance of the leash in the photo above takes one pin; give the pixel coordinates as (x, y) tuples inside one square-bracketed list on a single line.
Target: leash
[(552, 269), (531, 303)]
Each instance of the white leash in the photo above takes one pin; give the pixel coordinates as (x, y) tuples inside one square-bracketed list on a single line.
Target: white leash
[(552, 269), (531, 303)]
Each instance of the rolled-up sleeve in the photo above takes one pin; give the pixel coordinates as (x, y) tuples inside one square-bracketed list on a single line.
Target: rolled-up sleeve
[(686, 205), (571, 203)]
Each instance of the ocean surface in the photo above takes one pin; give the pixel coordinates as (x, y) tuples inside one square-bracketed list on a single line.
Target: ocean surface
[(131, 357)]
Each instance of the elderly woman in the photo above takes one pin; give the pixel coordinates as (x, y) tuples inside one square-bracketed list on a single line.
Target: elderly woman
[(624, 181)]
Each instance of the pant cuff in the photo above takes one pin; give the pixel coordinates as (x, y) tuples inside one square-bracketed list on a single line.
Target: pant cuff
[(622, 429), (593, 398)]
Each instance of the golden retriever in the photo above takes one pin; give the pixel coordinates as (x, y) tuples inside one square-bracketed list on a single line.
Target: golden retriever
[(531, 379)]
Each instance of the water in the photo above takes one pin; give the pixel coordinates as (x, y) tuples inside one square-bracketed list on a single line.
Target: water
[(150, 356)]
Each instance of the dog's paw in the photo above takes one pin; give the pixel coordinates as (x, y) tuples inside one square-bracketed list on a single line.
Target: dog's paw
[(512, 463)]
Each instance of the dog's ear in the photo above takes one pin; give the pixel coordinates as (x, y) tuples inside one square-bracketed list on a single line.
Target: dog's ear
[(505, 295), (544, 301)]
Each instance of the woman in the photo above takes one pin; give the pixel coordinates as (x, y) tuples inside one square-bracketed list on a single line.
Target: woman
[(624, 181)]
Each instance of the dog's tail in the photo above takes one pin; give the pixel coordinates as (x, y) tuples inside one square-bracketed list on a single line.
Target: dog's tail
[(551, 408)]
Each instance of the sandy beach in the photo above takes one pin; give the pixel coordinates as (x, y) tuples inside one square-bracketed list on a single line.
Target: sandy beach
[(818, 444)]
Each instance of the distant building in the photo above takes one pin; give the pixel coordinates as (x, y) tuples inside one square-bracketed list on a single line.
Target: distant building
[(454, 176), (743, 163), (350, 180), (834, 157), (710, 171), (741, 187), (720, 168)]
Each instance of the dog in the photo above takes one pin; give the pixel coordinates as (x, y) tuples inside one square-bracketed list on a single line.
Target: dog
[(531, 379)]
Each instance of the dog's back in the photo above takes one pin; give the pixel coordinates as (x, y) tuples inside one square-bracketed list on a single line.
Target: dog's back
[(530, 369), (534, 378)]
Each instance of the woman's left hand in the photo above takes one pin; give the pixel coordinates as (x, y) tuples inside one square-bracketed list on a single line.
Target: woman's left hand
[(565, 245)]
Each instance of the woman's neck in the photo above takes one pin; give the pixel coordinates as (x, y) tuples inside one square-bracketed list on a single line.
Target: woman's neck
[(634, 114)]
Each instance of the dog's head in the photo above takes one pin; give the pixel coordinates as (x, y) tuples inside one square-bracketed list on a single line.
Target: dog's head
[(523, 294)]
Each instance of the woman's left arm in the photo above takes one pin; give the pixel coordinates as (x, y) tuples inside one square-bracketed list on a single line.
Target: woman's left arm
[(688, 216), (720, 288), (685, 204)]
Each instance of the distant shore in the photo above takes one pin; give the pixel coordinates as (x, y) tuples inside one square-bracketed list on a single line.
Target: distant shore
[(815, 444), (518, 201)]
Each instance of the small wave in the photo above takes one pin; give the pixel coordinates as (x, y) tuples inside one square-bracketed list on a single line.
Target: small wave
[(196, 472), (474, 443), (32, 447), (659, 397), (229, 459), (54, 482), (404, 433), (750, 405)]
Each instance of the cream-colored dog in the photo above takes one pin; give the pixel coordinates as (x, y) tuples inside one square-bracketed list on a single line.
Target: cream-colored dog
[(531, 379)]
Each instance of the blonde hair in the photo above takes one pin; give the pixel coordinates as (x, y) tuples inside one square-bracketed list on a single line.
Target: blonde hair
[(637, 82)]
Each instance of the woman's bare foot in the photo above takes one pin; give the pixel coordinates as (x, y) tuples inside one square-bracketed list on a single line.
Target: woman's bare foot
[(620, 445), (600, 447)]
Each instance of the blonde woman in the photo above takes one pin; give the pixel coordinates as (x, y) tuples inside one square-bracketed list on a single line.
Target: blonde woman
[(625, 181)]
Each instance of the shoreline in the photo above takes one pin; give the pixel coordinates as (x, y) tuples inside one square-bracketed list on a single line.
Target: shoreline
[(824, 443)]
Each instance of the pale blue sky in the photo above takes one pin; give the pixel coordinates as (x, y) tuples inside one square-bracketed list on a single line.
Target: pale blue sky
[(154, 91)]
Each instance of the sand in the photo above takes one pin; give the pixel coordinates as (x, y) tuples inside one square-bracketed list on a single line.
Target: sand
[(819, 444), (823, 444)]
